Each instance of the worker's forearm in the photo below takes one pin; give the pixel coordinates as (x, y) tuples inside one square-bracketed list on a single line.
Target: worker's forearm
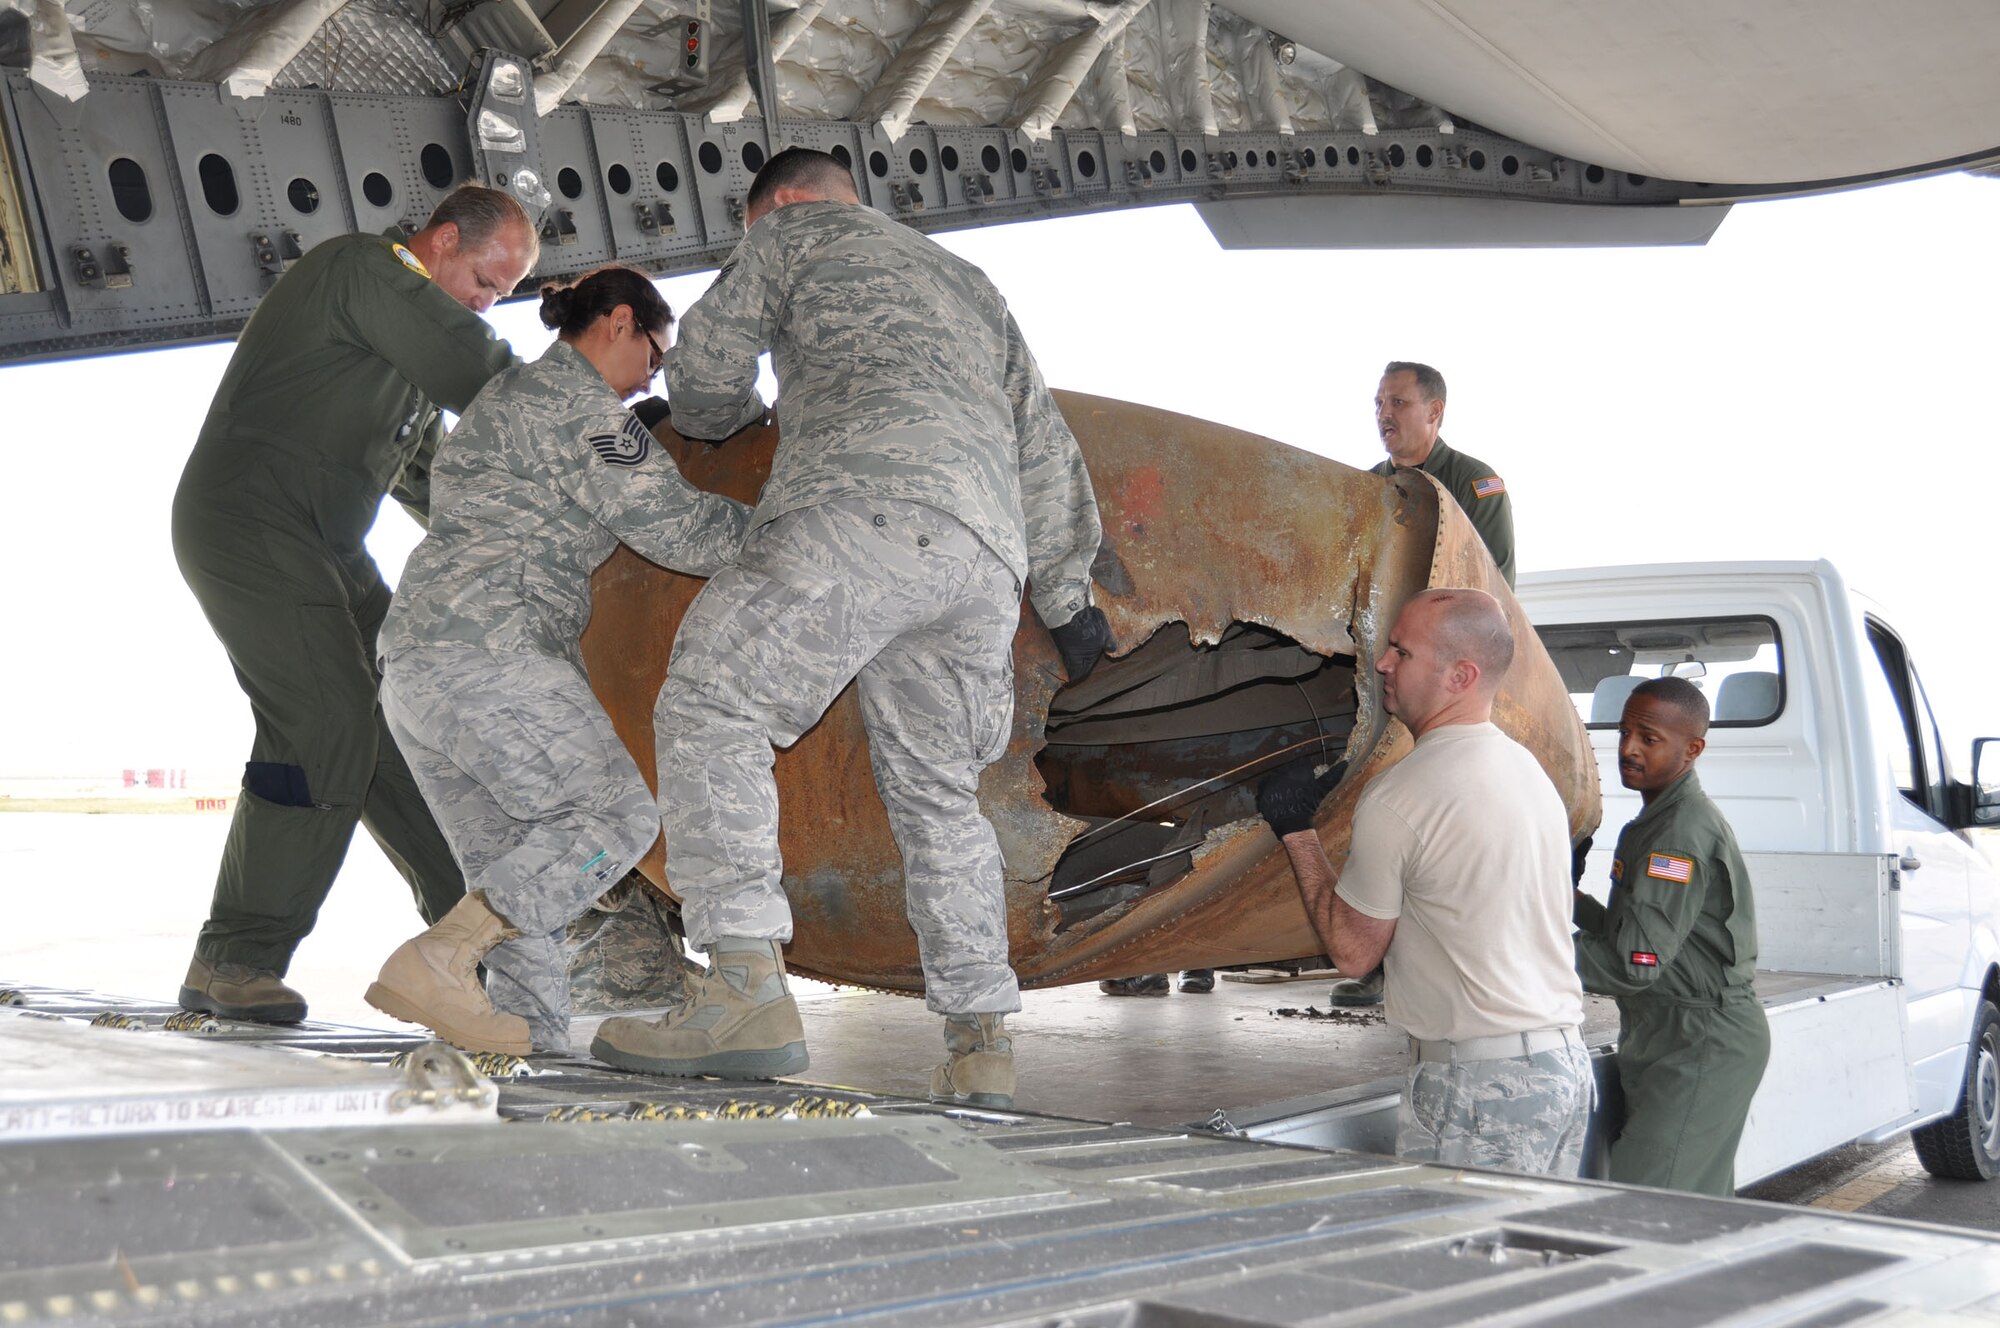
[(1316, 881), (1354, 940)]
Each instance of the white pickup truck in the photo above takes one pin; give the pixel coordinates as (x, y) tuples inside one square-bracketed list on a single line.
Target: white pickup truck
[(1878, 917)]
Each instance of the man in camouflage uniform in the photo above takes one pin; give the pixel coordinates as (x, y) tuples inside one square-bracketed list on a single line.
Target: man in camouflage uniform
[(484, 685), (924, 475), (330, 401), (1677, 946), (1457, 883)]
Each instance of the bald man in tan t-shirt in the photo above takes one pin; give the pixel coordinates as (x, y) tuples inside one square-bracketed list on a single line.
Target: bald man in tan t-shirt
[(1458, 885)]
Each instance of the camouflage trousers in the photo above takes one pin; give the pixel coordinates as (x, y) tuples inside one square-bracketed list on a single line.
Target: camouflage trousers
[(912, 606), (625, 953), (542, 805), (1520, 1113)]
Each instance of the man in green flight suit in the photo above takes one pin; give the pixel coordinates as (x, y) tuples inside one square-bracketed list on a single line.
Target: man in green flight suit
[(1409, 411), (1677, 945), (330, 401)]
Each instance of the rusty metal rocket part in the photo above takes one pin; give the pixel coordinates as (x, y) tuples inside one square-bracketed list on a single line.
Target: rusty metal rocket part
[(1250, 585)]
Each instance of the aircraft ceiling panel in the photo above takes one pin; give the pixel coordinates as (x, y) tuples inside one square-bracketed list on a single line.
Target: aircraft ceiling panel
[(1709, 90), (1779, 93), (162, 160)]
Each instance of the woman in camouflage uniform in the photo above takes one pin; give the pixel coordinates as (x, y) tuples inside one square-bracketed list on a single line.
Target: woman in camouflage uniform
[(483, 679)]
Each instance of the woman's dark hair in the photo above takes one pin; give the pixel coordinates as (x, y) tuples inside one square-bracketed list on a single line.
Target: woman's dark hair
[(572, 309)]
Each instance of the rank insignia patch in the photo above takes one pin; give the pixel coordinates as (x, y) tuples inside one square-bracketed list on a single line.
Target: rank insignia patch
[(1645, 960), (1490, 487), (1667, 867), (628, 447)]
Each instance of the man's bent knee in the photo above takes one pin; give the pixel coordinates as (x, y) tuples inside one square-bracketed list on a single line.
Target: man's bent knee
[(279, 784)]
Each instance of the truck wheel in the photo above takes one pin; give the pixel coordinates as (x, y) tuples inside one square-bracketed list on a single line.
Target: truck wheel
[(1966, 1144)]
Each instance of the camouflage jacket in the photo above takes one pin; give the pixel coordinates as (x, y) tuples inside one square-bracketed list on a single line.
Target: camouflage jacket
[(901, 375), (542, 479)]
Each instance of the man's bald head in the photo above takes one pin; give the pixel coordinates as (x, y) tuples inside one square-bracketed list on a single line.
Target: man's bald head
[(1470, 625), (1447, 652)]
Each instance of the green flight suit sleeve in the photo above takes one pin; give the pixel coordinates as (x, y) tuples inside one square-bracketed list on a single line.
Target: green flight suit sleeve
[(645, 502), (712, 370), (1589, 913), (1058, 505), (446, 351), (412, 487), (1639, 938), (1493, 518)]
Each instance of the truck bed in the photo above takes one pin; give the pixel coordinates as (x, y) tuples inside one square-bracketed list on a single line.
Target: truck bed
[(1822, 1053), (1160, 1061)]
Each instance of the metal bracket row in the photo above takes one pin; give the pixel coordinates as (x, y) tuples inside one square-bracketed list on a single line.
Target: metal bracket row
[(160, 212)]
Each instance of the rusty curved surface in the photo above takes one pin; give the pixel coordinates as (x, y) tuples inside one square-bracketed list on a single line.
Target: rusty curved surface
[(1204, 525)]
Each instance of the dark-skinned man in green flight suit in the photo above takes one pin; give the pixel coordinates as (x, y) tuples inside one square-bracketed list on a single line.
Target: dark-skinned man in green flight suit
[(330, 401), (1677, 945)]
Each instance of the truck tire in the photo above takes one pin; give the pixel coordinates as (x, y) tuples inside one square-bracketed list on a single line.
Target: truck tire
[(1966, 1144)]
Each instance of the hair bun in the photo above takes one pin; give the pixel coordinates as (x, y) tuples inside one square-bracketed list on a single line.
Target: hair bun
[(572, 310), (556, 302)]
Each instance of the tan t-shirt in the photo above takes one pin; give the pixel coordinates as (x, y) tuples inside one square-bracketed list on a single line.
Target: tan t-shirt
[(1466, 842)]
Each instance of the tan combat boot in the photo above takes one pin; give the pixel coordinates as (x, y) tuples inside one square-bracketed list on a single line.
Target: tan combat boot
[(237, 991), (980, 1072), (432, 979), (739, 1022)]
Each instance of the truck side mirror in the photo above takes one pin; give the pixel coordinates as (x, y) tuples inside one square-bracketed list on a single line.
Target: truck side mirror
[(1985, 781)]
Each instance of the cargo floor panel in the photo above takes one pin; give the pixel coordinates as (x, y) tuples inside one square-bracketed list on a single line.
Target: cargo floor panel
[(554, 1190)]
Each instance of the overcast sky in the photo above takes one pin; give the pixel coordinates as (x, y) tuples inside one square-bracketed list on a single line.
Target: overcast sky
[(1812, 383)]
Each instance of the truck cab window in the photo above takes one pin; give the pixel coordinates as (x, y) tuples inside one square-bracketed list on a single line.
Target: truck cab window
[(1931, 748), (1891, 716), (1738, 663)]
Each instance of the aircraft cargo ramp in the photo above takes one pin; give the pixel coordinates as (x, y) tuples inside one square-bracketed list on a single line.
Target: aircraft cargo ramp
[(307, 1176)]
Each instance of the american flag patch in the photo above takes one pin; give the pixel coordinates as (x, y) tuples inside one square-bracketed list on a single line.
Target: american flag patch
[(1667, 867), (1645, 960), (1488, 487)]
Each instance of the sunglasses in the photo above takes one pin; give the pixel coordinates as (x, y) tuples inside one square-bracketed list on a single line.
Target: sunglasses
[(659, 351)]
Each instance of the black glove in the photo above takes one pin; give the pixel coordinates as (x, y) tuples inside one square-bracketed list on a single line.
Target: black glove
[(1289, 795), (1083, 641), (651, 411), (1576, 857)]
